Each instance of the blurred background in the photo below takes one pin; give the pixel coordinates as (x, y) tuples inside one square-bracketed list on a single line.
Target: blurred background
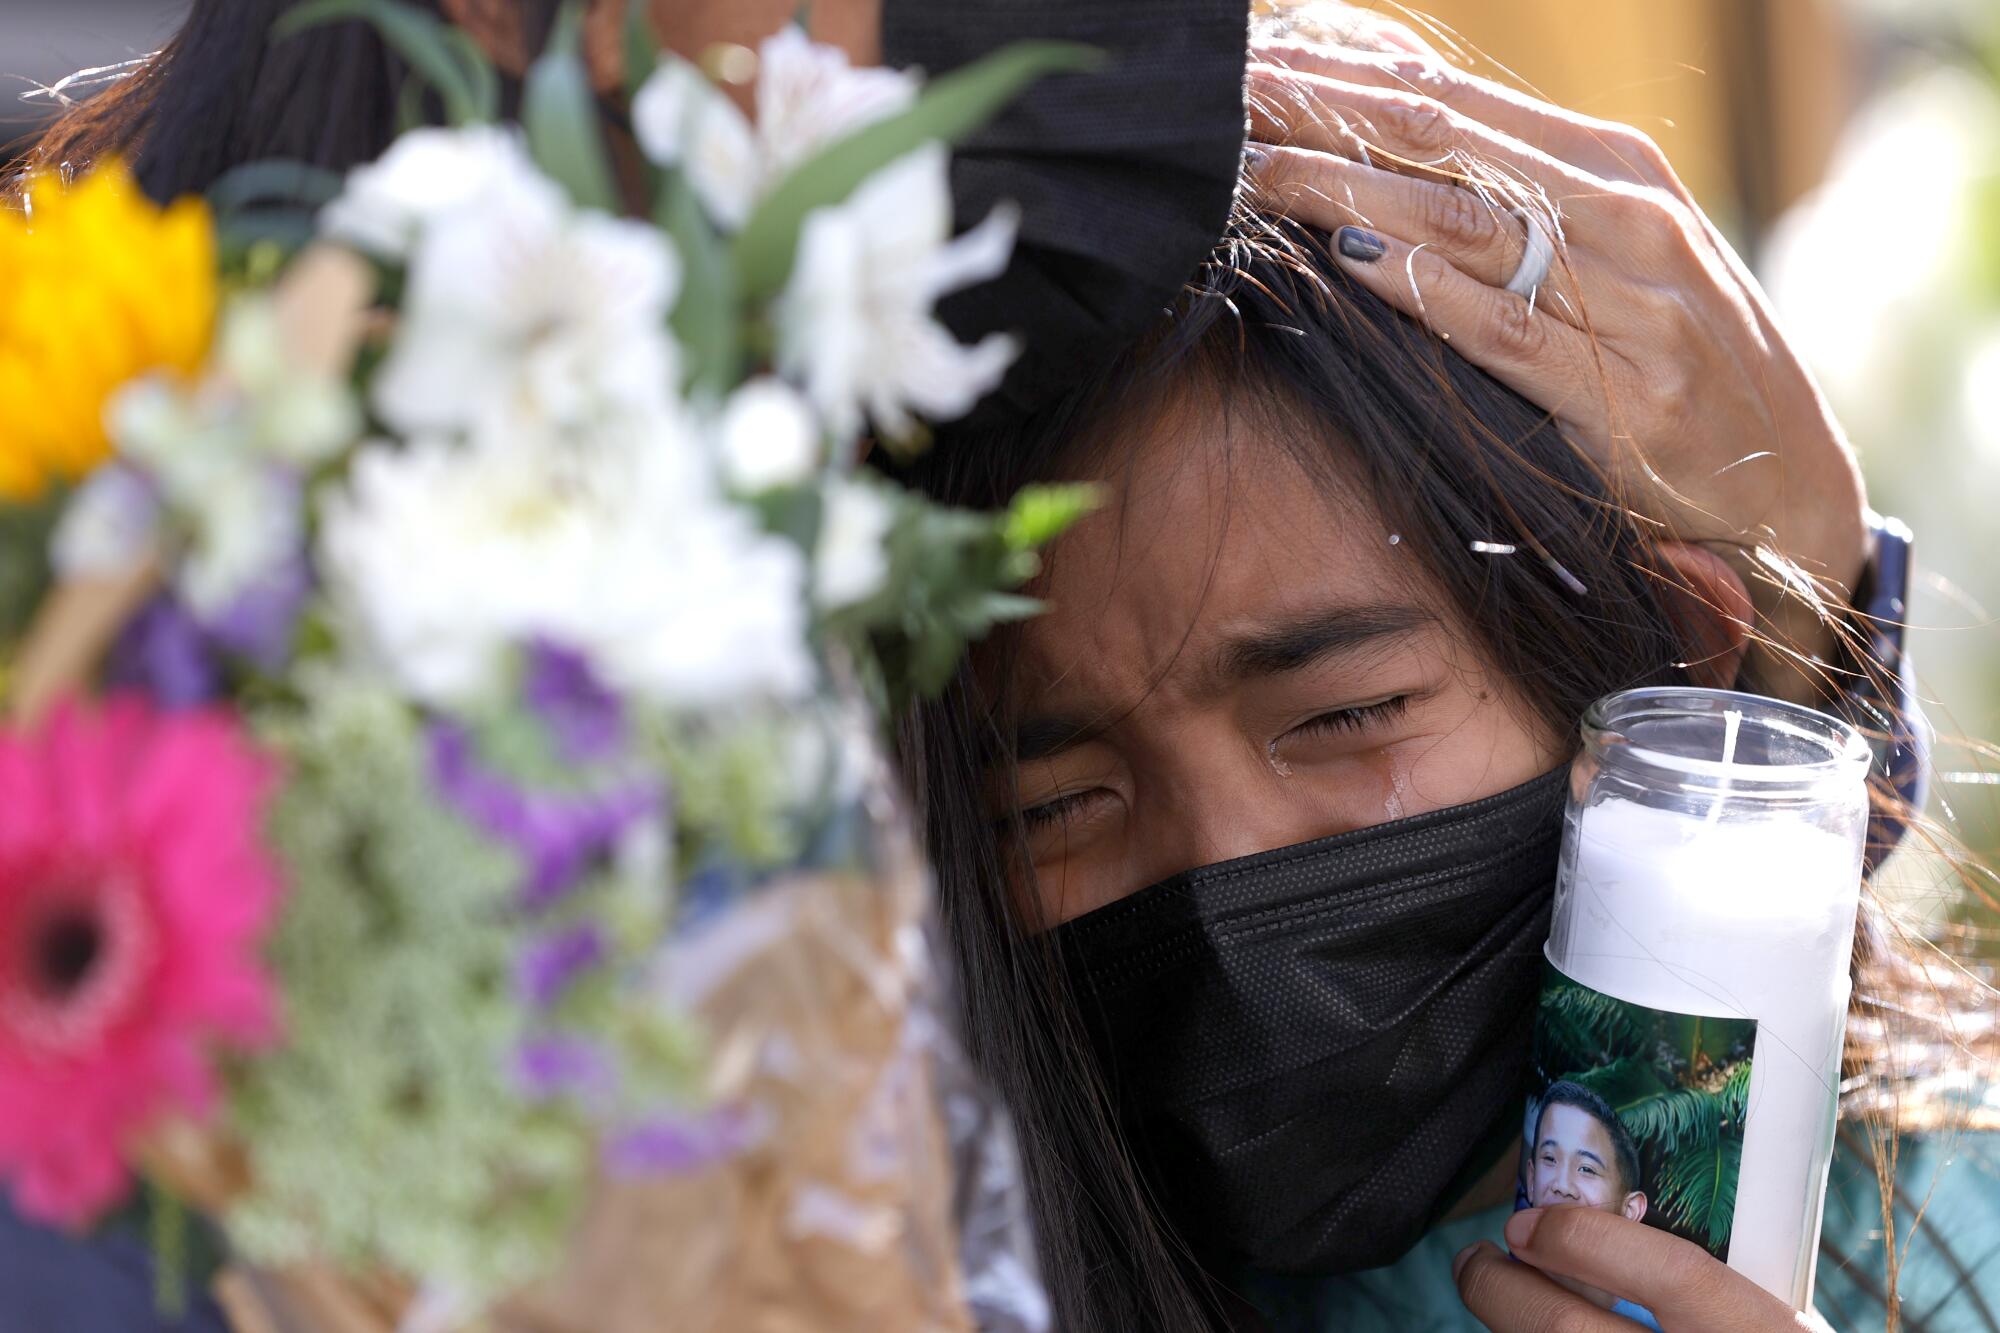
[(43, 41), (1850, 148)]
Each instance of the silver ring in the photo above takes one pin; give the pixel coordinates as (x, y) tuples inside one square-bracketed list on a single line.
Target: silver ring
[(1536, 257)]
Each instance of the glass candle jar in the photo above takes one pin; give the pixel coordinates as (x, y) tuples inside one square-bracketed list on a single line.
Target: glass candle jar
[(1710, 875)]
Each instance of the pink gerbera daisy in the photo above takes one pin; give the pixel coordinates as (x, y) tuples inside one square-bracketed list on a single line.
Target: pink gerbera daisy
[(134, 895)]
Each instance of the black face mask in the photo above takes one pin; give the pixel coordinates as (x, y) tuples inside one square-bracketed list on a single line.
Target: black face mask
[(1307, 1046)]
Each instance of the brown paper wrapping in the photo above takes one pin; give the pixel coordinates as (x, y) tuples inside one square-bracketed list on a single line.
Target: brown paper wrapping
[(839, 1219)]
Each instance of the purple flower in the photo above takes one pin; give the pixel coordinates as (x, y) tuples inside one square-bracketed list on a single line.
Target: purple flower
[(260, 623), (586, 719), (548, 965), (558, 833), (548, 1067), (670, 1145), (163, 652)]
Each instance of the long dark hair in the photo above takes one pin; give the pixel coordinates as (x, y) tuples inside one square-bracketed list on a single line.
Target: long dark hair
[(1269, 329), (224, 92)]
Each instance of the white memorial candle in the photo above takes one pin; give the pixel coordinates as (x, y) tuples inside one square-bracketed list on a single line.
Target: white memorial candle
[(1727, 887)]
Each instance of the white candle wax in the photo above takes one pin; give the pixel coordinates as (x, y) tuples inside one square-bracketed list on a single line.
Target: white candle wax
[(1738, 917)]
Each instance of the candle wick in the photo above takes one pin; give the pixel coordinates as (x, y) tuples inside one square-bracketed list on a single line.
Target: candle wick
[(1732, 723)]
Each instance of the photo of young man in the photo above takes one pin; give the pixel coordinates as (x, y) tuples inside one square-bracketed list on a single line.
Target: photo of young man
[(1580, 1156)]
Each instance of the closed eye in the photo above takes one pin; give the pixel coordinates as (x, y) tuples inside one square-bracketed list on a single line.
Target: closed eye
[(1347, 721), (1060, 810)]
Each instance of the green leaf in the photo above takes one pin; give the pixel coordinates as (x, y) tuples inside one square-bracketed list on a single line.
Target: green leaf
[(559, 112), (25, 532), (950, 108), (642, 49), (997, 608), (707, 318), (1626, 1083), (1578, 1028), (411, 113), (1702, 1043), (1736, 1093), (424, 41), (291, 230), (483, 80), (792, 512), (1040, 514), (1695, 1190), (273, 181), (1676, 1120)]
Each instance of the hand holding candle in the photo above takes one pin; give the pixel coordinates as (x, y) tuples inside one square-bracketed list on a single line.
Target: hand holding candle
[(1710, 876)]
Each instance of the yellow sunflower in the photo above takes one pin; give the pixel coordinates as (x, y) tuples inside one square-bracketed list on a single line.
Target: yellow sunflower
[(98, 286)]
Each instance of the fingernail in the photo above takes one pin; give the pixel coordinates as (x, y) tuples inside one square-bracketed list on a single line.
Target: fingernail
[(1521, 1228), (1461, 1259), (1363, 247), (1255, 156)]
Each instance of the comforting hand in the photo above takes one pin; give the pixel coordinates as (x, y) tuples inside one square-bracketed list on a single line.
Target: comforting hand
[(1678, 1282), (1648, 339)]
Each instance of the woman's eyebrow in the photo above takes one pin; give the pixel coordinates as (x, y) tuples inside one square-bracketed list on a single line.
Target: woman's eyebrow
[(1046, 737), (1282, 646), (1309, 639)]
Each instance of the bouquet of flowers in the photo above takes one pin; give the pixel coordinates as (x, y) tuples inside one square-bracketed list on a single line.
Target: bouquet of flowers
[(443, 623)]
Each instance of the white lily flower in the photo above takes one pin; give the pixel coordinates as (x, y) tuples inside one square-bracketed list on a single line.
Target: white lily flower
[(850, 564), (767, 437), (528, 317), (855, 322), (226, 458), (807, 96), (439, 559), (428, 175)]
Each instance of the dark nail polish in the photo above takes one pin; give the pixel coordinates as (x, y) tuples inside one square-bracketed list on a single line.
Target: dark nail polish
[(1363, 247)]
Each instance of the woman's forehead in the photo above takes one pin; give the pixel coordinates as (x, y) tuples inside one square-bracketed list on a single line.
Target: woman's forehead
[(1207, 533)]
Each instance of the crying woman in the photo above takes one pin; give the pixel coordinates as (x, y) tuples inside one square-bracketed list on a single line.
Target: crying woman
[(1246, 846)]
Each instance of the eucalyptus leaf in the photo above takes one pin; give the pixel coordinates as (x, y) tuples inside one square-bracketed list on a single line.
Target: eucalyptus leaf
[(559, 112), (289, 229), (949, 108), (421, 39), (273, 181)]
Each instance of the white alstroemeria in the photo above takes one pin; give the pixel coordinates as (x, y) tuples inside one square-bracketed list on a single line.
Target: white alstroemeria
[(807, 95), (528, 318), (439, 558), (855, 323), (109, 526), (226, 458), (849, 562), (429, 175), (767, 437)]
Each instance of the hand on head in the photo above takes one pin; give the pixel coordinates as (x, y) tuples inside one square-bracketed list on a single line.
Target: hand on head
[(1646, 336)]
